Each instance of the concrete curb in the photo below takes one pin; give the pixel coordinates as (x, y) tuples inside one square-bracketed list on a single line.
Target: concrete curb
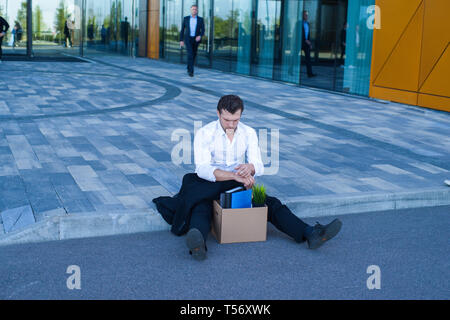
[(320, 206), (89, 224), (84, 225)]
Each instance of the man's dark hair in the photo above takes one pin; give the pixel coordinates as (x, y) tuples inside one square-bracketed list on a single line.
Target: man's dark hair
[(231, 103)]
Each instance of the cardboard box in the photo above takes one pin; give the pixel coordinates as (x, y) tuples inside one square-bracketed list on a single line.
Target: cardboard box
[(239, 225)]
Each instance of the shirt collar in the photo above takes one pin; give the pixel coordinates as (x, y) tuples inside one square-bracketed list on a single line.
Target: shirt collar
[(220, 132)]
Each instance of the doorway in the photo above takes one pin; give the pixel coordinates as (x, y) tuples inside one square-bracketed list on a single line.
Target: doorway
[(327, 19)]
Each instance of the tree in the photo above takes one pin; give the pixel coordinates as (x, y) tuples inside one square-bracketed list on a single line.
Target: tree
[(112, 21), (22, 14), (62, 13), (115, 16), (2, 14), (223, 28), (91, 25), (38, 23)]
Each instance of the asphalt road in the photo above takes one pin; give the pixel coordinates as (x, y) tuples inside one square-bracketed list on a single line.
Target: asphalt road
[(410, 249)]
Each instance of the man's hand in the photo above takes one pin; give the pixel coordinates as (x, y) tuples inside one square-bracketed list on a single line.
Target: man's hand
[(198, 38), (181, 43), (309, 44), (245, 170), (248, 182), (2, 35)]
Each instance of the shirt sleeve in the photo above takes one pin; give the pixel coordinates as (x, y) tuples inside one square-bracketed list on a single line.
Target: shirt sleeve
[(202, 157), (254, 153)]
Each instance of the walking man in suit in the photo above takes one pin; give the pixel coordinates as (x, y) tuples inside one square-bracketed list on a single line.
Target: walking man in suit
[(306, 44), (192, 31)]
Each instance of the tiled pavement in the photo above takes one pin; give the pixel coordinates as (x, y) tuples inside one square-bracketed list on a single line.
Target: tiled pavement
[(104, 137)]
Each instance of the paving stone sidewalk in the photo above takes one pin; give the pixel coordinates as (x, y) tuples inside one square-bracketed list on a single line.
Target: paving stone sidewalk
[(105, 136)]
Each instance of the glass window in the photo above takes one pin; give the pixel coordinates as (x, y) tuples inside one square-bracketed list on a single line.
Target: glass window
[(232, 35), (73, 27), (111, 26), (319, 28), (242, 30), (15, 13), (267, 26), (125, 17), (203, 52), (291, 40), (56, 27), (223, 25), (173, 19), (358, 48)]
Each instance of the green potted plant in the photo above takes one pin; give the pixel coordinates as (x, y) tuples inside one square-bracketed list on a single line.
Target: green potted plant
[(258, 195)]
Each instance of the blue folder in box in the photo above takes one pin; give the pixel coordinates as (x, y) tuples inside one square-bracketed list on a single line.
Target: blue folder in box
[(242, 199)]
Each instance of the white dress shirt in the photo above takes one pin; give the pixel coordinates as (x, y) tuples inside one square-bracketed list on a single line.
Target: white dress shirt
[(193, 25), (213, 150)]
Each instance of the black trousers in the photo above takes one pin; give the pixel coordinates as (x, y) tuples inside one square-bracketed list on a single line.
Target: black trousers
[(67, 36), (191, 47), (307, 50), (278, 214)]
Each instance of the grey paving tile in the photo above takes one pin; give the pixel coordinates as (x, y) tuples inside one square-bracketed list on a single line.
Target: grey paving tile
[(5, 150), (42, 202), (68, 192), (78, 206), (17, 218), (61, 178), (11, 183), (142, 180)]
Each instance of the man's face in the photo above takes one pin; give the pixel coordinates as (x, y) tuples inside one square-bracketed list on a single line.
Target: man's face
[(229, 121), (305, 16), (194, 11)]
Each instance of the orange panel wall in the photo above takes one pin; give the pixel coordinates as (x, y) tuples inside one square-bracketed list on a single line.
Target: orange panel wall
[(153, 29), (411, 53)]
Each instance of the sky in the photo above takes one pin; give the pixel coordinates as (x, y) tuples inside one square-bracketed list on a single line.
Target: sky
[(48, 8)]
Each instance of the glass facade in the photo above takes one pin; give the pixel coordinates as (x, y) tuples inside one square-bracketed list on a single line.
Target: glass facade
[(266, 38), (111, 26), (319, 43), (71, 27)]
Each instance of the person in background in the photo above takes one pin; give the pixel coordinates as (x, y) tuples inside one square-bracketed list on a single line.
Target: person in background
[(68, 27), (307, 44), (103, 34), (19, 33), (4, 26), (13, 40), (124, 30), (192, 31)]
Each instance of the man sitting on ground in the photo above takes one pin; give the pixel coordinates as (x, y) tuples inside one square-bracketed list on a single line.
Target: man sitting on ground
[(219, 150)]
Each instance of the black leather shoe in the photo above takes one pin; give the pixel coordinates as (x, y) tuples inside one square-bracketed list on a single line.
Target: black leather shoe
[(196, 244), (191, 74), (321, 234)]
